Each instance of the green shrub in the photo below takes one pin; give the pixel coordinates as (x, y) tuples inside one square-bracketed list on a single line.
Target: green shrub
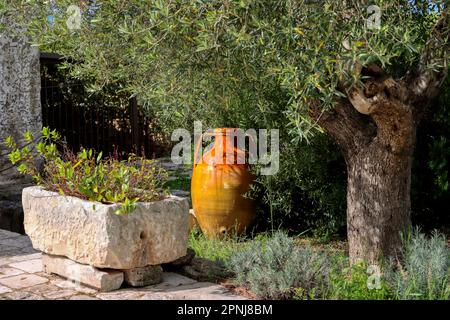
[(424, 271), (307, 193), (352, 282), (87, 175), (277, 269)]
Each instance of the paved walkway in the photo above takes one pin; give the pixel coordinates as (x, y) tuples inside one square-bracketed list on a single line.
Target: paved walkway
[(21, 277)]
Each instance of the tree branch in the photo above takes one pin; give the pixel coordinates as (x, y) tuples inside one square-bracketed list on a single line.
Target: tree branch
[(426, 80), (368, 100), (365, 98), (386, 102), (360, 102), (346, 126)]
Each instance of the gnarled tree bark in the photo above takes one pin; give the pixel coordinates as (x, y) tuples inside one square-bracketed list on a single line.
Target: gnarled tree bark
[(375, 127)]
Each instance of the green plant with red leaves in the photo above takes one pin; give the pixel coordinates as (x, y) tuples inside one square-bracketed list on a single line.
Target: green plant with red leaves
[(86, 174)]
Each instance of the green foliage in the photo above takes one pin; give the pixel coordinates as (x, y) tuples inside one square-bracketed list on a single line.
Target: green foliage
[(248, 64), (424, 272), (214, 248), (307, 193), (181, 181), (275, 268), (351, 283), (430, 188), (87, 175), (182, 57), (439, 163)]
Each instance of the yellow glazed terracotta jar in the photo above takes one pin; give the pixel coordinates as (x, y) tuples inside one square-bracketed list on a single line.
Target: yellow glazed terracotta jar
[(218, 185)]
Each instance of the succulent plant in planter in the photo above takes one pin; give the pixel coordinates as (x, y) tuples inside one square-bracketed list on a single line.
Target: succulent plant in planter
[(99, 211)]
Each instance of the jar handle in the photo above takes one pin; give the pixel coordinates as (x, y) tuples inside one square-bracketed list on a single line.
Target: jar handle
[(197, 147)]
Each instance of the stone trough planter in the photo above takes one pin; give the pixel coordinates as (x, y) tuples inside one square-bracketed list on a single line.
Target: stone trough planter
[(91, 234)]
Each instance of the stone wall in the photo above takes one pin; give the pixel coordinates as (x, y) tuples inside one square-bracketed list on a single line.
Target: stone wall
[(20, 85), (20, 110), (11, 212)]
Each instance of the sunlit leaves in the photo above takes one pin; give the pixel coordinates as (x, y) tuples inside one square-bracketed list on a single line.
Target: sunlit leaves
[(197, 58)]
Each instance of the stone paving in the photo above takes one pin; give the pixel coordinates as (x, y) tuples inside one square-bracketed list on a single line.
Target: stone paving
[(22, 277)]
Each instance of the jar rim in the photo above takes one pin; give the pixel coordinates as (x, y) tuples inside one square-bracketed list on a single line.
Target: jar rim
[(221, 132)]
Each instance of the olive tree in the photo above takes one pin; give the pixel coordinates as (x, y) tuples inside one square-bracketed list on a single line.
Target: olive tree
[(363, 72)]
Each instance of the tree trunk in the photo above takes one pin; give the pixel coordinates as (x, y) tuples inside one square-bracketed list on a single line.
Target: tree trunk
[(375, 128), (378, 201), (378, 152)]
